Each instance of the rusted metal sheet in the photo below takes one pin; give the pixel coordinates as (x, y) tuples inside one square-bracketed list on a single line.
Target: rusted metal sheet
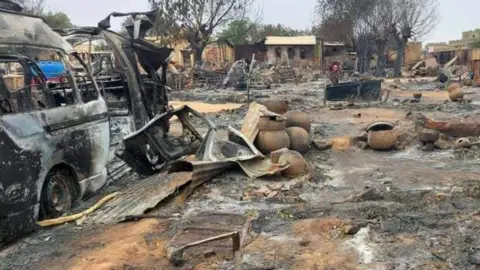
[(205, 225), (153, 190), (256, 112)]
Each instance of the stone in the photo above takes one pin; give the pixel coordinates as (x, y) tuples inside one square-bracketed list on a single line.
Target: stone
[(275, 187), (209, 253), (428, 147), (321, 145), (362, 145), (351, 229), (272, 194), (428, 135), (304, 242), (442, 145)]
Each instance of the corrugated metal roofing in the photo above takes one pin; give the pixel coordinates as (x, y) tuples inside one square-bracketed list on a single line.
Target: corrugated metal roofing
[(296, 40)]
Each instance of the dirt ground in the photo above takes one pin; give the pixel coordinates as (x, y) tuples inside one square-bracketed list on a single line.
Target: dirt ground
[(360, 209)]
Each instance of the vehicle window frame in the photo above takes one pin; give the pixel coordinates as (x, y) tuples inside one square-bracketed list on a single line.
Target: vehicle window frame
[(89, 76)]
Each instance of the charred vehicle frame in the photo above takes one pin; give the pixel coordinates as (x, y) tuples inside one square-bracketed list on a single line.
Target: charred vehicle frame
[(53, 136)]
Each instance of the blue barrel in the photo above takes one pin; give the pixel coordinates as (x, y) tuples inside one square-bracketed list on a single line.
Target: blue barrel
[(52, 69)]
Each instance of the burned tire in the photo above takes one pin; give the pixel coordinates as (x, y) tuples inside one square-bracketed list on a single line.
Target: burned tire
[(57, 194)]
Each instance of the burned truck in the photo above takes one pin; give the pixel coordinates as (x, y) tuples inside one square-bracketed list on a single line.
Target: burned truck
[(132, 75), (54, 137)]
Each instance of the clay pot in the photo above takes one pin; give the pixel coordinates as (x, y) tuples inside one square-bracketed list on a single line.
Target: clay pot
[(298, 165), (428, 136), (298, 119), (382, 140), (462, 143), (299, 139), (276, 106), (380, 125), (271, 124), (269, 141), (456, 94), (453, 86)]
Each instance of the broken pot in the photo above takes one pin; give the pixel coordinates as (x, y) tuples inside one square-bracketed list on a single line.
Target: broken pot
[(299, 139), (298, 119), (269, 141), (462, 143), (298, 164)]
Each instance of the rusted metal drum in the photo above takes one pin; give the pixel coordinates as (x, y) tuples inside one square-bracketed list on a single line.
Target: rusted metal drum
[(269, 141), (382, 140), (299, 139), (298, 164), (298, 119)]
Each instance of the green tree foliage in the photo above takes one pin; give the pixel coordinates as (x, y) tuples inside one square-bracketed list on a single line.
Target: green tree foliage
[(57, 19), (53, 19), (246, 31)]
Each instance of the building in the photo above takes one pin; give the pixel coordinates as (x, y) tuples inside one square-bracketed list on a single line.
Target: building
[(468, 38), (295, 51)]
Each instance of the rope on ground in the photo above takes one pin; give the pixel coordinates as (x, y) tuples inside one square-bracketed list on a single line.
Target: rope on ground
[(62, 220)]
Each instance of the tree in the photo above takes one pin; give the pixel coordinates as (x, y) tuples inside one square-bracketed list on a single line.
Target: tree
[(239, 32), (380, 23), (197, 20), (57, 20), (414, 19), (53, 19)]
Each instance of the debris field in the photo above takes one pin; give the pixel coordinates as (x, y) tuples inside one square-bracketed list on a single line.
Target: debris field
[(390, 184)]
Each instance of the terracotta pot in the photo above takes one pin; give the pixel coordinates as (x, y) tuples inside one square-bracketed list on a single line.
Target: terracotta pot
[(382, 140), (271, 124), (298, 165), (453, 86), (298, 119), (299, 139), (269, 141), (456, 95), (276, 106)]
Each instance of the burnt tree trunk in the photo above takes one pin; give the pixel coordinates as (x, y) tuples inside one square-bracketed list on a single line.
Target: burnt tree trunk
[(401, 44), (382, 59)]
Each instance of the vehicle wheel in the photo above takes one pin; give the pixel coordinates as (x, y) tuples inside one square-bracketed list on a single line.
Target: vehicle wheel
[(56, 198)]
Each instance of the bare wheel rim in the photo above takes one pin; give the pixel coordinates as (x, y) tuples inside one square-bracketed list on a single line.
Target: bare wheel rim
[(57, 193)]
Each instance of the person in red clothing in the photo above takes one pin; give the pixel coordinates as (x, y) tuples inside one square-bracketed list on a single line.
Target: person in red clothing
[(335, 72)]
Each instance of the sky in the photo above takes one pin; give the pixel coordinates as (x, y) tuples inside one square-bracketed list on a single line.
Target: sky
[(455, 15)]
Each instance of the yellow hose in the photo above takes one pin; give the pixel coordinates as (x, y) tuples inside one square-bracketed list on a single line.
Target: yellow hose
[(62, 220)]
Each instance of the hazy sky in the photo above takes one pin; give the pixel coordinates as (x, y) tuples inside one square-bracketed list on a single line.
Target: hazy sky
[(455, 15)]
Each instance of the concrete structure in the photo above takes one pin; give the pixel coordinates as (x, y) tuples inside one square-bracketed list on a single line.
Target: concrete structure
[(296, 50), (468, 38)]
